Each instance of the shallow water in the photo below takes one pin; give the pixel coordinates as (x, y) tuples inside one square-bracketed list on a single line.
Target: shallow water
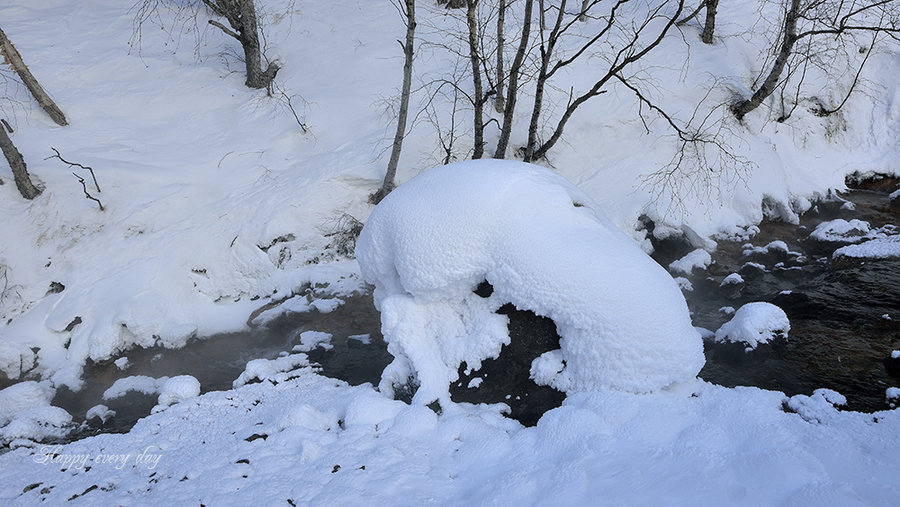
[(838, 336)]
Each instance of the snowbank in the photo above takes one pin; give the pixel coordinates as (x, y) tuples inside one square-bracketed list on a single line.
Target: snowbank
[(544, 246), (754, 323)]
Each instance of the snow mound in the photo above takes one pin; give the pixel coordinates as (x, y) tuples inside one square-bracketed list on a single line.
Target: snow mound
[(544, 246), (697, 259), (754, 323), (178, 388), (879, 248)]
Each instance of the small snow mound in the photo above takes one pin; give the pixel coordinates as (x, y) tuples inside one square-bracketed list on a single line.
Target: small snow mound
[(732, 279), (818, 408), (892, 396), (544, 246), (312, 339), (101, 412), (137, 383), (178, 388), (697, 259), (274, 370), (754, 323)]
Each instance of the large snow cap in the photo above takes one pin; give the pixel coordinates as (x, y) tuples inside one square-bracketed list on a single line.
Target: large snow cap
[(544, 246)]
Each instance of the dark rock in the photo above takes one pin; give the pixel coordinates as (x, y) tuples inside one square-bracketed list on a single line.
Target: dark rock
[(892, 365), (506, 379)]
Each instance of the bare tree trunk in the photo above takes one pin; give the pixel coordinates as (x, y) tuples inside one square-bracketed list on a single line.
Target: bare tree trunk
[(501, 19), (546, 53), (709, 27), (584, 8), (478, 98), (512, 89), (241, 15), (17, 164), (408, 51), (789, 37), (44, 100)]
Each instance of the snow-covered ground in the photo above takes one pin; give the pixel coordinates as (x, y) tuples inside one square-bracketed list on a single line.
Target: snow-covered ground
[(217, 202)]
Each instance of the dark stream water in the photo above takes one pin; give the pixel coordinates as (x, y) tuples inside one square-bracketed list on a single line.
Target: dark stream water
[(839, 337)]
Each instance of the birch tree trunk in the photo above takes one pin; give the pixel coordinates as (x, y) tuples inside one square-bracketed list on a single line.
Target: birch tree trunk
[(408, 51), (17, 164)]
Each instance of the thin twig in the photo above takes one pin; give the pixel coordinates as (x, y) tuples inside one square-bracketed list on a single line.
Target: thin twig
[(75, 164), (86, 194)]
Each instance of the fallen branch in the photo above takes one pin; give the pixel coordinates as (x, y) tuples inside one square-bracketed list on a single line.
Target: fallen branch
[(75, 164), (86, 193), (44, 100)]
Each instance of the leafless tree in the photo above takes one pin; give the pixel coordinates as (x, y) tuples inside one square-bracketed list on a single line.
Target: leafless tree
[(408, 10), (827, 20), (709, 23), (512, 88), (243, 25), (626, 39)]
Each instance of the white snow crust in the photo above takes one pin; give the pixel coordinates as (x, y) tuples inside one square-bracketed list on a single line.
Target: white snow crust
[(878, 248), (544, 246), (755, 323)]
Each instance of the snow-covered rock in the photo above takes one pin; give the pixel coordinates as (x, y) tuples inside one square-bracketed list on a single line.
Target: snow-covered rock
[(544, 246), (697, 259), (755, 323), (879, 248), (841, 231), (26, 413), (892, 396), (179, 388)]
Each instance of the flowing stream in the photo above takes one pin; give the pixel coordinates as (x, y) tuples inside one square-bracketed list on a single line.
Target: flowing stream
[(845, 321)]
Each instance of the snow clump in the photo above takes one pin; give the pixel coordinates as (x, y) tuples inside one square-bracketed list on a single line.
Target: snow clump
[(754, 323), (544, 246)]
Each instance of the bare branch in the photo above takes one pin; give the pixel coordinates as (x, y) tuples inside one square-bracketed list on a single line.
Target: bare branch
[(74, 164)]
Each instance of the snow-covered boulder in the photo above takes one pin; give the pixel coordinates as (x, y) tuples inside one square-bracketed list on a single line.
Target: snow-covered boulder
[(179, 388), (26, 414), (544, 246), (755, 323)]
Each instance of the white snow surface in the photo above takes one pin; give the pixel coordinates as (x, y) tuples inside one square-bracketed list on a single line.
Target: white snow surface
[(755, 323), (544, 246), (316, 441)]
